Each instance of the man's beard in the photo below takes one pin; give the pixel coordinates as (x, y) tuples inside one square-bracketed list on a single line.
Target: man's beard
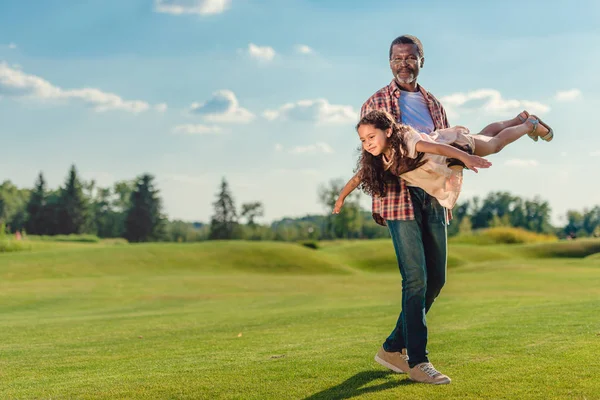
[(410, 79)]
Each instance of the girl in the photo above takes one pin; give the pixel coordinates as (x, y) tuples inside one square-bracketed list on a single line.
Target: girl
[(432, 162)]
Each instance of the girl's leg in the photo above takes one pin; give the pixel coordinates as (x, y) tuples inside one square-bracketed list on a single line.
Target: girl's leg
[(494, 128), (485, 145)]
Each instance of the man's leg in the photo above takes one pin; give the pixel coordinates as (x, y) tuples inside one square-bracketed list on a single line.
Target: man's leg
[(435, 240), (411, 328)]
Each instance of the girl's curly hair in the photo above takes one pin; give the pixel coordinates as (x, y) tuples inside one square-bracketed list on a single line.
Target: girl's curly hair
[(373, 177)]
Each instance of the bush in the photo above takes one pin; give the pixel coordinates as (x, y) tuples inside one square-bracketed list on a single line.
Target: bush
[(566, 248), (66, 238), (311, 244), (503, 235), (7, 245)]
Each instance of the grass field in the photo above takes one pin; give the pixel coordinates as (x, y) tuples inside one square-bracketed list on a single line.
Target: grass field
[(246, 320)]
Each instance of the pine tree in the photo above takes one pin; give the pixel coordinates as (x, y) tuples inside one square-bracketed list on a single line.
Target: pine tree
[(36, 208), (144, 221), (74, 211), (224, 222)]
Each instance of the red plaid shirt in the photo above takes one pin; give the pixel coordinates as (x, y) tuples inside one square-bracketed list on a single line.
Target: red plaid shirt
[(397, 203)]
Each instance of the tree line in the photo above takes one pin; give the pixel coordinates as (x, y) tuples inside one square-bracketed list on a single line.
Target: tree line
[(353, 222), (132, 209)]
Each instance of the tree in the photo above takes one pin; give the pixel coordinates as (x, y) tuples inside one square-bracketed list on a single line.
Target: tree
[(74, 212), (591, 220), (108, 222), (13, 204), (144, 221), (37, 208), (251, 211), (122, 191), (537, 213), (223, 223), (346, 224)]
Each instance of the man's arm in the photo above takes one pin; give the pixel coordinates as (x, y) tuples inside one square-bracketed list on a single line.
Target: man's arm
[(348, 188), (471, 161)]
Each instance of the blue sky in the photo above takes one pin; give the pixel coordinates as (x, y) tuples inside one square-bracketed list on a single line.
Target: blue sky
[(266, 93)]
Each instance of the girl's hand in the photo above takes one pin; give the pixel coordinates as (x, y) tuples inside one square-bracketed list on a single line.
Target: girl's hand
[(473, 162), (338, 205)]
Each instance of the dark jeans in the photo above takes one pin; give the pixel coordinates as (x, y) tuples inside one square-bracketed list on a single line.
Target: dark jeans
[(421, 250)]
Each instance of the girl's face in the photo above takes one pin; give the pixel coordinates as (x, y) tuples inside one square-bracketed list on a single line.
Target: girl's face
[(373, 140)]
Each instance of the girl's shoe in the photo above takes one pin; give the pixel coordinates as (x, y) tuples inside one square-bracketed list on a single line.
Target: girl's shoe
[(524, 116), (548, 137), (536, 126)]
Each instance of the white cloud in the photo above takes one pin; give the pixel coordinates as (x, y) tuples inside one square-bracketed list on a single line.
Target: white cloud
[(12, 46), (595, 153), (319, 147), (567, 95), (223, 106), (521, 163), (262, 53), (162, 107), (16, 83), (278, 147), (304, 49), (199, 7), (191, 129), (489, 101), (319, 111)]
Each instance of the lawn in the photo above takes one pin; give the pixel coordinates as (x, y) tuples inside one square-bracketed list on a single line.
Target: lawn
[(247, 320)]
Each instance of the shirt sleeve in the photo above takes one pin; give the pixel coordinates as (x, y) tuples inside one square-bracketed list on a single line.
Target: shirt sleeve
[(411, 138), (367, 107)]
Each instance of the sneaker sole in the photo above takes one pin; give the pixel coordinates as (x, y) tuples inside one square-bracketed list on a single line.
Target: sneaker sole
[(432, 383), (388, 365)]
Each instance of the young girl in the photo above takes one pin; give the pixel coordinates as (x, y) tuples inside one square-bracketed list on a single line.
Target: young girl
[(432, 162)]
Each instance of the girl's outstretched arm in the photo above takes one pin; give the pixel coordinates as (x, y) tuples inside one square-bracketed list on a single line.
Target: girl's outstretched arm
[(348, 188), (471, 161)]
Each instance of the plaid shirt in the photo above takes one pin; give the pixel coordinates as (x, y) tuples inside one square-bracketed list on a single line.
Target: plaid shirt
[(397, 203)]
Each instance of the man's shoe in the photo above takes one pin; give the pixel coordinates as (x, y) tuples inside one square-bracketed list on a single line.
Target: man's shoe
[(426, 373), (394, 360)]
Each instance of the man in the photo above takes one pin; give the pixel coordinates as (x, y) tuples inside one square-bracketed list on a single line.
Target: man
[(416, 221)]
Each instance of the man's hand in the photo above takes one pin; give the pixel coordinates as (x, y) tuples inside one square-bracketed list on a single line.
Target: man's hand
[(473, 162), (338, 205)]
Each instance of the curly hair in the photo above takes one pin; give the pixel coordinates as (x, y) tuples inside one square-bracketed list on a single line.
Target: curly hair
[(373, 176)]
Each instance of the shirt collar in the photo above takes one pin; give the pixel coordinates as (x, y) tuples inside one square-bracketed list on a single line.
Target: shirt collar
[(395, 89)]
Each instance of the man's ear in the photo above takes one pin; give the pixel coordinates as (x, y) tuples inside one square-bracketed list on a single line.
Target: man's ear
[(422, 61)]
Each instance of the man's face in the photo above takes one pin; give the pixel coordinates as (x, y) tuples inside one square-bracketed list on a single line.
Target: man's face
[(405, 63)]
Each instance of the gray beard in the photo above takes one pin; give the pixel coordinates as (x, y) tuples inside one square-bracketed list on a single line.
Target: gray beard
[(408, 80)]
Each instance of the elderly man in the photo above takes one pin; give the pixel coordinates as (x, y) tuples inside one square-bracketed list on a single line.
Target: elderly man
[(416, 221)]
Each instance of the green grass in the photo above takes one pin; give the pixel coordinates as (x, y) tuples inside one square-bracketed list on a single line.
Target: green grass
[(163, 321)]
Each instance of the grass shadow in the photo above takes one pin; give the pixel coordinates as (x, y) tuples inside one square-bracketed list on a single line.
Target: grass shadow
[(354, 386)]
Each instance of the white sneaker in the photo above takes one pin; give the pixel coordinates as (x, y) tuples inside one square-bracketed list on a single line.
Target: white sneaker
[(396, 361), (426, 373)]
